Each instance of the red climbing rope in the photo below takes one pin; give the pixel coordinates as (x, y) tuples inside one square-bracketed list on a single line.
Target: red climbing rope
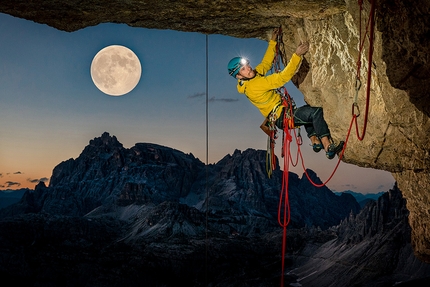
[(370, 28), (284, 205)]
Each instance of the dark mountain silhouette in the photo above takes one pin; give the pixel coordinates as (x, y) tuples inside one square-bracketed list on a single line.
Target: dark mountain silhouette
[(8, 197), (362, 199), (106, 174), (154, 216)]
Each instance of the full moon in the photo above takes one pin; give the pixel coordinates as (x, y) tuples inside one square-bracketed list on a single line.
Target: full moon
[(115, 70)]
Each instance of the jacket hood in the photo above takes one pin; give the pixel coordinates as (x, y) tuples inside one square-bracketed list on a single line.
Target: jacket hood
[(241, 86)]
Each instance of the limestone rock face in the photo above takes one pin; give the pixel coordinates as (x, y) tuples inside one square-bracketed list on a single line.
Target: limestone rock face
[(398, 125)]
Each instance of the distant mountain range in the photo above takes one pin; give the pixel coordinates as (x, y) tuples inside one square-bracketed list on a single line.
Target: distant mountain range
[(8, 197), (362, 199), (151, 215)]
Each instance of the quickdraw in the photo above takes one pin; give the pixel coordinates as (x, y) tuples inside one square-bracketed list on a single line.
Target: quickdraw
[(270, 154), (288, 104)]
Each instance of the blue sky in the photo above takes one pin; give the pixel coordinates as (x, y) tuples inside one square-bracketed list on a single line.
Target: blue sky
[(50, 109)]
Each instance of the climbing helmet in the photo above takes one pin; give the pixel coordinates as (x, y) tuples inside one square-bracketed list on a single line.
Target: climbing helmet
[(235, 65)]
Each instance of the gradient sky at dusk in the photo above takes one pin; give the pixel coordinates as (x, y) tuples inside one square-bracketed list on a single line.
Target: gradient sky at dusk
[(50, 109)]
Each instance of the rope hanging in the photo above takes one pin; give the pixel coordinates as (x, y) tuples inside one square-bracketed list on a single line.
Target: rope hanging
[(284, 214), (207, 158), (370, 28), (288, 132)]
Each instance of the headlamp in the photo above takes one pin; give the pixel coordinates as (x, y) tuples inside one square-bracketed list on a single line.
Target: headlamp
[(244, 62)]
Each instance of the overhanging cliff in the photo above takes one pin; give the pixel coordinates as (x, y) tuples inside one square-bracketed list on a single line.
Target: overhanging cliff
[(398, 126)]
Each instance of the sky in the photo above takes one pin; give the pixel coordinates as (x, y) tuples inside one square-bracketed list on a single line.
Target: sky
[(50, 109)]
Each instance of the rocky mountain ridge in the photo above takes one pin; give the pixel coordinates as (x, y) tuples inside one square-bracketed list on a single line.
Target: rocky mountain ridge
[(116, 216), (106, 174)]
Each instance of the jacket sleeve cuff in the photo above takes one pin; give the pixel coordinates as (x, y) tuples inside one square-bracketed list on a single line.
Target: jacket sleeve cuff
[(295, 55)]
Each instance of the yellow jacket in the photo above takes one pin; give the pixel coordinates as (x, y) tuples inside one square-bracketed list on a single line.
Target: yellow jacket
[(261, 90)]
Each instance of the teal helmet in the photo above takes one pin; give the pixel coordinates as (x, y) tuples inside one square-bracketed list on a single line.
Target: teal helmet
[(235, 64)]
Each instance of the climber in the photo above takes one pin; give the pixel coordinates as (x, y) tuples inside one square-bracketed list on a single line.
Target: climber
[(261, 90)]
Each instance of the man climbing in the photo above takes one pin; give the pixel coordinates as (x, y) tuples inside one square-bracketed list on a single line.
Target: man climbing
[(261, 90)]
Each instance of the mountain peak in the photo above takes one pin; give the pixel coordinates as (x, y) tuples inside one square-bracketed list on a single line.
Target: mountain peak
[(105, 140)]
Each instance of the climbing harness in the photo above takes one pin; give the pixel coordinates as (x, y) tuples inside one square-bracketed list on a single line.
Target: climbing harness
[(287, 118), (287, 104)]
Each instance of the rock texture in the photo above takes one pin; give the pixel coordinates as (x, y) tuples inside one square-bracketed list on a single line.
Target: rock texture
[(398, 123), (361, 249)]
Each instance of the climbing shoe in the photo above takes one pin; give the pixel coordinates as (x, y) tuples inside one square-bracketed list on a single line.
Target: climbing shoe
[(334, 149), (317, 147)]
